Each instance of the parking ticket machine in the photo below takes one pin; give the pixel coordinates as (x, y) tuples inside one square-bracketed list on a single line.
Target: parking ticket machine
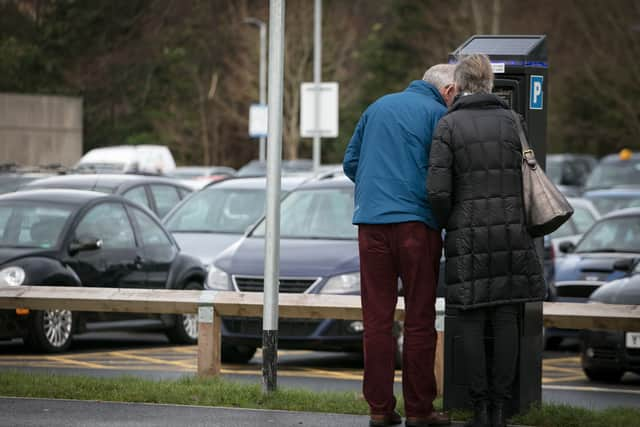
[(520, 70)]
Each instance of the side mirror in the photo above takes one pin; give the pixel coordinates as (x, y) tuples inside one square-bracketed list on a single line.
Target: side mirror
[(90, 244), (566, 247), (624, 264)]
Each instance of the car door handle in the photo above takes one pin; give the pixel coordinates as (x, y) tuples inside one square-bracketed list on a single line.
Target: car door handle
[(138, 262)]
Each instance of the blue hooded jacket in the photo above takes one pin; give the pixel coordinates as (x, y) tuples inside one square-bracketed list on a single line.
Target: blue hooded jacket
[(388, 156)]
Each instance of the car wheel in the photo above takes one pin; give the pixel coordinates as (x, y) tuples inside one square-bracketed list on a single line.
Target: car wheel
[(603, 375), (50, 331), (237, 353), (185, 326), (552, 343)]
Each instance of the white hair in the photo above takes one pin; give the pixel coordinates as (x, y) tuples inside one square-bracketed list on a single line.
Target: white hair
[(440, 75), (474, 74)]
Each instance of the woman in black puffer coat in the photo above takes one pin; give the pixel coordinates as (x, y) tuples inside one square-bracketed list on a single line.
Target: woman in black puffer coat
[(475, 190)]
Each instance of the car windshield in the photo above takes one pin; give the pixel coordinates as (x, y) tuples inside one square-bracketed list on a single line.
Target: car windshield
[(612, 235), (612, 174), (31, 224), (316, 214), (579, 222), (608, 203), (218, 210)]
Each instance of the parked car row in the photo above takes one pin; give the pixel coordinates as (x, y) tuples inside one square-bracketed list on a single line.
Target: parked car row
[(138, 230)]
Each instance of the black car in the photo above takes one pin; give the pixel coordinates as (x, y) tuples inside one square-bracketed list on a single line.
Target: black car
[(607, 355), (158, 194), (84, 238)]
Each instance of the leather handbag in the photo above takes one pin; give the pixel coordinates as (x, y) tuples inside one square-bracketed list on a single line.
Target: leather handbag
[(545, 206)]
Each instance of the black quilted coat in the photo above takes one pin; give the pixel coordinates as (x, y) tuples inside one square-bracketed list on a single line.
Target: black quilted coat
[(475, 189)]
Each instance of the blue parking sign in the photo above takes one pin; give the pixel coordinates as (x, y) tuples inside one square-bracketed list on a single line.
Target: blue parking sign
[(535, 93)]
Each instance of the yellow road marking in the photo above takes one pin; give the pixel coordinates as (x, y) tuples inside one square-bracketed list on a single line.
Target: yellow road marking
[(562, 379), (68, 360), (152, 359), (571, 359), (559, 369)]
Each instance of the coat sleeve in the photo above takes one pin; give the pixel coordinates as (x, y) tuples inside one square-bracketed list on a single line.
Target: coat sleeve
[(439, 177), (352, 154)]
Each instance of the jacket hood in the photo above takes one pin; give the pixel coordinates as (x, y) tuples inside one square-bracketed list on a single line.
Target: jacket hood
[(427, 89), (478, 100)]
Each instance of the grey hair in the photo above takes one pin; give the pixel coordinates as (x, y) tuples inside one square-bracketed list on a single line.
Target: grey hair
[(440, 75), (474, 74)]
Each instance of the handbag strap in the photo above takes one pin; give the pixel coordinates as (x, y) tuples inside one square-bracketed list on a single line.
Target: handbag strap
[(527, 152)]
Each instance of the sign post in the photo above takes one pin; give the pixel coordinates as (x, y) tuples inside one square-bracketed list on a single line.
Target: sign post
[(272, 235), (317, 78)]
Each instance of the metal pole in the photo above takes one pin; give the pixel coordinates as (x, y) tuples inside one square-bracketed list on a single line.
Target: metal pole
[(272, 236), (262, 74), (317, 78), (263, 82)]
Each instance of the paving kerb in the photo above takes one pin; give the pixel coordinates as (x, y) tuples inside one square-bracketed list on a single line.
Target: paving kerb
[(35, 412)]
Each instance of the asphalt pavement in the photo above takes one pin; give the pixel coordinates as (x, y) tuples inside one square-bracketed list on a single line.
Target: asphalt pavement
[(71, 413)]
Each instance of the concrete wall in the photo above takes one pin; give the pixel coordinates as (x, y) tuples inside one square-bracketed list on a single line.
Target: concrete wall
[(37, 130)]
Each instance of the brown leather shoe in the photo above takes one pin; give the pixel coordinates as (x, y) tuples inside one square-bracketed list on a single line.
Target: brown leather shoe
[(433, 419), (391, 419)]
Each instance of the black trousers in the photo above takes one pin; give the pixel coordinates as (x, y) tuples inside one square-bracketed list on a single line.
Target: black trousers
[(491, 370)]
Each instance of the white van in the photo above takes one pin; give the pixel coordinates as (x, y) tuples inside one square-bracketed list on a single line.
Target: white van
[(153, 159)]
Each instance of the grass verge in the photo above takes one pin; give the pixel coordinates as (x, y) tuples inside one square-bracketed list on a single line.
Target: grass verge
[(219, 392)]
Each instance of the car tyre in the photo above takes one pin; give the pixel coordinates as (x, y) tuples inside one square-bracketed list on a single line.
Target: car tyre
[(603, 375), (185, 326), (552, 343), (50, 331), (237, 353)]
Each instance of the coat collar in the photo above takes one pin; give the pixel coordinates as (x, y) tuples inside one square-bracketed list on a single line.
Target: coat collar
[(424, 88), (478, 100)]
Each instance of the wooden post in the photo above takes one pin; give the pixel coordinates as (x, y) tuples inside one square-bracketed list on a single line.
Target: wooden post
[(209, 341)]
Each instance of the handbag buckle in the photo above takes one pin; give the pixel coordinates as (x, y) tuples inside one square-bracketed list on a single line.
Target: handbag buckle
[(531, 159)]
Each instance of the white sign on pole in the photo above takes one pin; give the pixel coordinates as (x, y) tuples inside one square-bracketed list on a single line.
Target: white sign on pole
[(328, 115), (258, 120)]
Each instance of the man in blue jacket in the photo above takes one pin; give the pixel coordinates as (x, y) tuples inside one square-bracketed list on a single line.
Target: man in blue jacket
[(399, 237)]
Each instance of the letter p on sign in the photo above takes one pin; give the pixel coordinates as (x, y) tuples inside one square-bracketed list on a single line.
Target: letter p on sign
[(535, 94)]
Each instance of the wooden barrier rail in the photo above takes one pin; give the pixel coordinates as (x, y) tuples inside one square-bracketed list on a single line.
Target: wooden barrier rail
[(211, 305)]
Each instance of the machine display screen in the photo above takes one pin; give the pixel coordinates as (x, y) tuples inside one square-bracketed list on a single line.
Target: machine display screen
[(506, 94)]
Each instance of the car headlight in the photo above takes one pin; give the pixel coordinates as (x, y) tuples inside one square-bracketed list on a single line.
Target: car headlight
[(342, 284), (218, 279), (12, 276)]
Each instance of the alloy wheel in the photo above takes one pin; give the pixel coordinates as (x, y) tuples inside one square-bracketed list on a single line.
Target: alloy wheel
[(190, 324), (57, 326)]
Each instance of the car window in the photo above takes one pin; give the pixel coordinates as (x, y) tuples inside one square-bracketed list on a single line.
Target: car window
[(166, 197), (138, 195), (612, 235), (583, 219), (608, 203), (611, 174), (32, 225), (216, 210), (316, 214), (150, 232), (108, 222), (566, 229)]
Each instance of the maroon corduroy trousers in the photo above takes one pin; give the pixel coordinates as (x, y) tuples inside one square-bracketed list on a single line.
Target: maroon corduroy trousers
[(409, 251)]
